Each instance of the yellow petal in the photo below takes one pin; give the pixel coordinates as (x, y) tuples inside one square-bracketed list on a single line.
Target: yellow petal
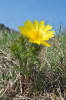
[(20, 28), (45, 38), (35, 41), (36, 25), (28, 25), (47, 28), (23, 31), (49, 34), (45, 43), (41, 25), (31, 40)]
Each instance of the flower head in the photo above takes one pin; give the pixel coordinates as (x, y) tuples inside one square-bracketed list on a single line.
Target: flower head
[(37, 32)]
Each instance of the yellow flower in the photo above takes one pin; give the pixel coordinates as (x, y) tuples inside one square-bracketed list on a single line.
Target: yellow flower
[(37, 32)]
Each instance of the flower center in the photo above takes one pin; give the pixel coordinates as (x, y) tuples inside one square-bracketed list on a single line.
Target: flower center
[(35, 35)]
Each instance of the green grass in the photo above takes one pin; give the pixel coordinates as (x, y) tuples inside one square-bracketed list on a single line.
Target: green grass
[(52, 61)]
